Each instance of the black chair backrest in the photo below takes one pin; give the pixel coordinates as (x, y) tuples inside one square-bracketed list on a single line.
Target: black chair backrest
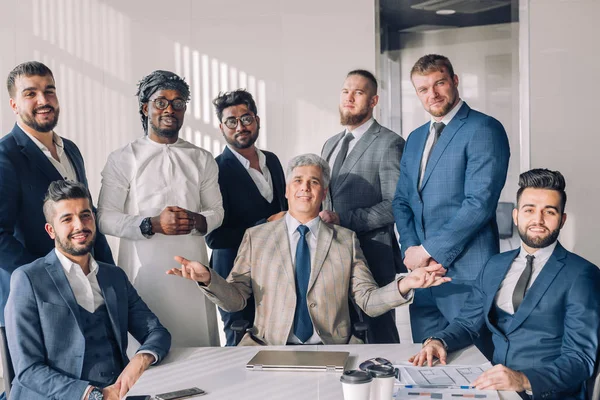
[(7, 367)]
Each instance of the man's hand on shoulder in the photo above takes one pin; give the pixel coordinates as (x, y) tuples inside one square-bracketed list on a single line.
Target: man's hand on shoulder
[(432, 349), (500, 377), (330, 217), (192, 270), (416, 257), (420, 278), (277, 216)]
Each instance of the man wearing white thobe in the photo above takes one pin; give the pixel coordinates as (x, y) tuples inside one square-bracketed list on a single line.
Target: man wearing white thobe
[(160, 195)]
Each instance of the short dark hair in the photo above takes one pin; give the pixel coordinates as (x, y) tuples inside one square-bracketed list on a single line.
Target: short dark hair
[(29, 68), (234, 98), (63, 190), (541, 178), (367, 75), (430, 63), (159, 80)]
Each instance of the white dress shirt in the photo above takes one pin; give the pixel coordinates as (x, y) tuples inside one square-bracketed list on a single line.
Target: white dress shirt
[(64, 166), (293, 237), (262, 178), (139, 181), (505, 292), (429, 143), (85, 287), (357, 133)]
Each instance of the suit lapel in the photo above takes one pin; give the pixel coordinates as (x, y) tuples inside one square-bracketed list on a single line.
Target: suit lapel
[(420, 137), (35, 155), (279, 237), (445, 138), (539, 287), (278, 189), (77, 162), (243, 177), (57, 274), (497, 276), (324, 240), (110, 300), (334, 142)]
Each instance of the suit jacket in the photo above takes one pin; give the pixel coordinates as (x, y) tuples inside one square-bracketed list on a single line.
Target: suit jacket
[(453, 215), (25, 174), (553, 338), (363, 193), (44, 328), (244, 206), (265, 269)]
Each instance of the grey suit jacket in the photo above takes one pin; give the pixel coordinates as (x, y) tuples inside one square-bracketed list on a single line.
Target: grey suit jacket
[(264, 268), (363, 194)]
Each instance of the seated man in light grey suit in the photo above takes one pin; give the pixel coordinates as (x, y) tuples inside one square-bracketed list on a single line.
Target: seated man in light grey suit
[(301, 271), (67, 315)]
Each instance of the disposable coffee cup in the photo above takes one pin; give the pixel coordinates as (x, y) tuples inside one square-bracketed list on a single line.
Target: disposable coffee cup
[(356, 385), (382, 387)]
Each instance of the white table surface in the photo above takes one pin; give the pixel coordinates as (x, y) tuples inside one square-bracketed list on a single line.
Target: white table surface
[(221, 372)]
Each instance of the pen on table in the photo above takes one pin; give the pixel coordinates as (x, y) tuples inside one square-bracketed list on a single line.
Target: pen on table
[(410, 386)]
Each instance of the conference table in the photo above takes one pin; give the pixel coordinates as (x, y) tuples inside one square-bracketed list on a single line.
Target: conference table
[(221, 372)]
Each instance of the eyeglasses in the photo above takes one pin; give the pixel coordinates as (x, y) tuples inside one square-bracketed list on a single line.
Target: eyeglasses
[(161, 103), (232, 122)]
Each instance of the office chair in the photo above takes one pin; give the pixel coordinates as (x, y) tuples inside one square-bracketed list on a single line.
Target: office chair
[(7, 367), (593, 384), (504, 219)]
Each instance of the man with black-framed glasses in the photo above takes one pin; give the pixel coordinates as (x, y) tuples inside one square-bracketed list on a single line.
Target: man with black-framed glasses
[(160, 195), (243, 168)]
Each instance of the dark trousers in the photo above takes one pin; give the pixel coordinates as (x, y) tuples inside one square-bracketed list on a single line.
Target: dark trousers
[(434, 308)]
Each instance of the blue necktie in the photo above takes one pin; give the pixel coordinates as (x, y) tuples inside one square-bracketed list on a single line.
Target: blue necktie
[(303, 327)]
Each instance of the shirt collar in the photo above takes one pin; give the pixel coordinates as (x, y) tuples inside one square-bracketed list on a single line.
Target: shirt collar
[(68, 264), (293, 224), (359, 131), (541, 255), (55, 138), (448, 117), (262, 160), (177, 142)]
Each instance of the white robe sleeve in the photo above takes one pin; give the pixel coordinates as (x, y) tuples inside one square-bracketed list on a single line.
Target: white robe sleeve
[(210, 196)]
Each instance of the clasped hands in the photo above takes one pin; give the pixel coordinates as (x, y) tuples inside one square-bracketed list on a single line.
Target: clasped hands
[(498, 377), (175, 220)]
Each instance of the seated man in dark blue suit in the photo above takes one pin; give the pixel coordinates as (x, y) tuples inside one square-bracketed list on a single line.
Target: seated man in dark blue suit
[(252, 185), (67, 315), (31, 156), (540, 302)]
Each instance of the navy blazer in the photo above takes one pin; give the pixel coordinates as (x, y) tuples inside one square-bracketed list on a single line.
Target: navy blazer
[(453, 214), (553, 338), (44, 328), (244, 206), (25, 174)]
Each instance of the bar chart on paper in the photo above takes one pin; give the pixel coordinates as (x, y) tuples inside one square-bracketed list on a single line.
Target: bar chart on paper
[(448, 376), (445, 394)]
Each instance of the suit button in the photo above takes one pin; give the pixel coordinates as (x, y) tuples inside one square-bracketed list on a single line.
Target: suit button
[(312, 305)]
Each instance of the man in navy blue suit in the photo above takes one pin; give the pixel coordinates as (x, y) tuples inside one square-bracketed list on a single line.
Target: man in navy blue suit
[(451, 174), (31, 156), (252, 185), (540, 302)]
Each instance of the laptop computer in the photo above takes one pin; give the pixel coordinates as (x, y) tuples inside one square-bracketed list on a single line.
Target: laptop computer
[(279, 360)]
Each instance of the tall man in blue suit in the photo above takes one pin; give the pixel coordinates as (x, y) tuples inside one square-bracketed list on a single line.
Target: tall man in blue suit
[(451, 175), (252, 185), (67, 315), (31, 156), (540, 302)]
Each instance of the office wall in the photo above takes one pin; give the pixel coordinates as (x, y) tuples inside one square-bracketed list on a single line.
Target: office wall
[(292, 56), (564, 64)]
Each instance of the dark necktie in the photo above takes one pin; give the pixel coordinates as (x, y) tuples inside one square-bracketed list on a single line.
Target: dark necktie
[(522, 283), (303, 327), (341, 156), (438, 127)]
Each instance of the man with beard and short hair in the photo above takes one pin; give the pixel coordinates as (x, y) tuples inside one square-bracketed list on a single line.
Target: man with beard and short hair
[(365, 163), (31, 156), (68, 315), (160, 195), (540, 302), (451, 175), (243, 168)]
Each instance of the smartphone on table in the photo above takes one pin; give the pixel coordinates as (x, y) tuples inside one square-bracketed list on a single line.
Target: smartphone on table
[(181, 394)]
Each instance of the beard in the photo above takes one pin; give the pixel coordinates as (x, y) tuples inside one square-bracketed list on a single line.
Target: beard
[(538, 242), (30, 121), (348, 119), (166, 132), (446, 107), (242, 145), (74, 250)]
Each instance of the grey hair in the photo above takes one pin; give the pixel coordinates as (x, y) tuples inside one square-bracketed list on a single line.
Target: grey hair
[(309, 159)]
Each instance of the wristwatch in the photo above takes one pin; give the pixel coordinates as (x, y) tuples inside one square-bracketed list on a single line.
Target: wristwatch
[(429, 339), (96, 394), (146, 228)]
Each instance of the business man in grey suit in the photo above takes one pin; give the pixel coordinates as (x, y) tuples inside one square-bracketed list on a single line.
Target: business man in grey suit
[(452, 172), (68, 315), (365, 163)]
